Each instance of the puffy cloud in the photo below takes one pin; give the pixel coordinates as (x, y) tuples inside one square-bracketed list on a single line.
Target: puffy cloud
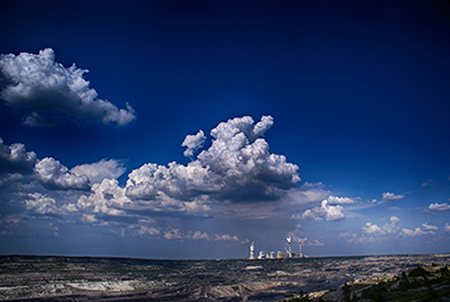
[(416, 232), (394, 219), (225, 237), (197, 235), (193, 143), (165, 204), (100, 170), (388, 228), (106, 198), (308, 242), (89, 218), (332, 212), (372, 229), (20, 164), (173, 234), (429, 227), (237, 166), (392, 227), (174, 180), (53, 174), (325, 211), (149, 192), (426, 229), (447, 227), (37, 82), (200, 236), (307, 193), (439, 207), (331, 207), (333, 200), (42, 204), (391, 196), (237, 150), (15, 158), (145, 230)]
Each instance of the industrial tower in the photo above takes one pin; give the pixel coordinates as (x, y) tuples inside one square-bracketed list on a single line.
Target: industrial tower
[(289, 239), (252, 251)]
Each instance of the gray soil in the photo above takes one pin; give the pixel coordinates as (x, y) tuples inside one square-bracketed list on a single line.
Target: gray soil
[(34, 278)]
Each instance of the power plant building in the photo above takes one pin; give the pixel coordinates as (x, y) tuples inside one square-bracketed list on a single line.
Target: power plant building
[(280, 255)]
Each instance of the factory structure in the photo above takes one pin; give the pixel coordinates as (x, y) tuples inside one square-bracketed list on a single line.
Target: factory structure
[(279, 255)]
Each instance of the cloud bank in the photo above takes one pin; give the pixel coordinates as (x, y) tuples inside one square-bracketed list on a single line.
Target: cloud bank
[(330, 209), (15, 158), (388, 196), (193, 143), (236, 168), (439, 207), (37, 82)]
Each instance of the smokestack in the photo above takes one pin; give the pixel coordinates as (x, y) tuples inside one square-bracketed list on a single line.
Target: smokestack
[(252, 251), (290, 248), (301, 249)]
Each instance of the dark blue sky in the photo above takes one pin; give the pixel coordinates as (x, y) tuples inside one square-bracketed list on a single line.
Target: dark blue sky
[(358, 93)]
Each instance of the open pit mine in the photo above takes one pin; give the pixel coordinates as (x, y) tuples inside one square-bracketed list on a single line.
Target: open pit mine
[(36, 278)]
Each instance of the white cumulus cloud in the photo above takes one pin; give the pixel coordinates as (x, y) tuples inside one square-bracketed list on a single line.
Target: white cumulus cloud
[(237, 166), (42, 204), (309, 242), (15, 158), (225, 237), (388, 196), (447, 227), (372, 229), (193, 143), (52, 173), (439, 207), (106, 198), (429, 227), (325, 211), (333, 200), (200, 236), (100, 170), (145, 230), (173, 234), (416, 232), (37, 82), (392, 227)]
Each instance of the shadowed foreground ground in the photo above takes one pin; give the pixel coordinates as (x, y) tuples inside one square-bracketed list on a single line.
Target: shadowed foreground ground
[(34, 278)]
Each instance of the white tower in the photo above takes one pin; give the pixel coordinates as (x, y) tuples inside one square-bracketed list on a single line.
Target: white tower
[(301, 248), (289, 239), (252, 251)]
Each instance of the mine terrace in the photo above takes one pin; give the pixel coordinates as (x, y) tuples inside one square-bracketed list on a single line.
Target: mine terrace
[(36, 278)]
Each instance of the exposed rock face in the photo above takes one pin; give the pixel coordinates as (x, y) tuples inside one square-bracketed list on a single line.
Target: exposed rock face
[(116, 279)]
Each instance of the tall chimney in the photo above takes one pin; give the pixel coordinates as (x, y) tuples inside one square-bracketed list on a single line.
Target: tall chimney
[(252, 251), (290, 248), (301, 249)]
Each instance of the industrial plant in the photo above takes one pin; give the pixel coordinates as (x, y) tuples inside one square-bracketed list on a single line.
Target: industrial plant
[(279, 255)]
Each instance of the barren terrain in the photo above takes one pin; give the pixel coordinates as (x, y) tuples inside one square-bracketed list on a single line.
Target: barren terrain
[(35, 278)]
